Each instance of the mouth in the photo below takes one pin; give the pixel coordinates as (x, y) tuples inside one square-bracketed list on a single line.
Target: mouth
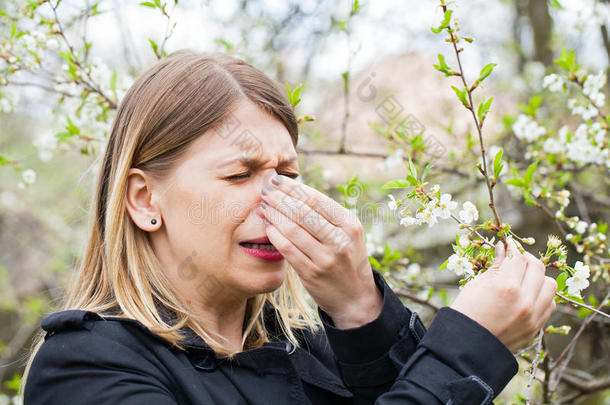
[(258, 243), (261, 248)]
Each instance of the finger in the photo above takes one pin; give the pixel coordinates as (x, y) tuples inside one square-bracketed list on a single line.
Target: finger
[(500, 254), (302, 214), (298, 236), (331, 210), (514, 265), (533, 278), (550, 309), (297, 259), (545, 304)]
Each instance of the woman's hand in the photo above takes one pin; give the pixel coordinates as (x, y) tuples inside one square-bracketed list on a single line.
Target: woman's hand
[(513, 299), (324, 242)]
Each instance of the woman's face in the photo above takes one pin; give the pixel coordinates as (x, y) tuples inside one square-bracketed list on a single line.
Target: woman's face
[(207, 207)]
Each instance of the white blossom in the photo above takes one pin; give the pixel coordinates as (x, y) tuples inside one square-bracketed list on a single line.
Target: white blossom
[(374, 239), (553, 146), (414, 269), (564, 197), (469, 212), (529, 241), (594, 83), (427, 216), (580, 280), (52, 44), (585, 110), (463, 241), (393, 160), (599, 99), (46, 143), (392, 203), (410, 220), (460, 265), (553, 242), (554, 82), (444, 206), (525, 128), (581, 227), (29, 176)]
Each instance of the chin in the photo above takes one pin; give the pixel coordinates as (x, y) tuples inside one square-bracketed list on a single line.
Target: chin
[(261, 282)]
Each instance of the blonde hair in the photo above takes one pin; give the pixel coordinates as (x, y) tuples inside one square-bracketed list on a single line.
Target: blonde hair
[(169, 105)]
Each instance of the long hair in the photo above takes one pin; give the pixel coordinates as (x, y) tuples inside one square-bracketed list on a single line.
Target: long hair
[(169, 106)]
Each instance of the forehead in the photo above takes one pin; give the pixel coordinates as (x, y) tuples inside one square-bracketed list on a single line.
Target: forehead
[(249, 133)]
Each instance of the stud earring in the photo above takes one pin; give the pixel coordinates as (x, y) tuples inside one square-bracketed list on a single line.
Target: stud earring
[(153, 221)]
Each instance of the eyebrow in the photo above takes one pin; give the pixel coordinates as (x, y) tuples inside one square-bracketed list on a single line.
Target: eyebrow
[(254, 163)]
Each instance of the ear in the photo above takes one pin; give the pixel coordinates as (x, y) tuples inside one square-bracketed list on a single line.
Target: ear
[(139, 201)]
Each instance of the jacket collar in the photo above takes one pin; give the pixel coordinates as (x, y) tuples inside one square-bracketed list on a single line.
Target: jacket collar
[(193, 341)]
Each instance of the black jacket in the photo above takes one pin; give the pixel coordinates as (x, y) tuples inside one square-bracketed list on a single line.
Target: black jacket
[(90, 359)]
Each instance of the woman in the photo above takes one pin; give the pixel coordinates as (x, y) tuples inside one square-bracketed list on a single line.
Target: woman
[(201, 244)]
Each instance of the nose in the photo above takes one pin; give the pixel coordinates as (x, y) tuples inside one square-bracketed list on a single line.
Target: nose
[(265, 182)]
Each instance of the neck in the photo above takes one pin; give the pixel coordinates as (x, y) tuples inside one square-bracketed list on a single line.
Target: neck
[(221, 318)]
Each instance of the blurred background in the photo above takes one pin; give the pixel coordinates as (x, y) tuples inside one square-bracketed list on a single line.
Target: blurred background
[(360, 67)]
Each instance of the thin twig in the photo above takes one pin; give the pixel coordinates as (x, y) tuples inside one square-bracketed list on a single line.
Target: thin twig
[(534, 366), (415, 298), (376, 155), (590, 308), (572, 343), (90, 82), (478, 127)]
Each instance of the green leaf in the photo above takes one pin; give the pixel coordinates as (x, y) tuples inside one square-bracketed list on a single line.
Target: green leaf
[(444, 23), (294, 94), (529, 199), (425, 172), (484, 109), (529, 173), (395, 184), (72, 129), (461, 95), (154, 46), (4, 160), (566, 60), (113, 81), (14, 383), (561, 281), (498, 165), (147, 4), (374, 262), (515, 181), (532, 106), (442, 66), (412, 169), (443, 265), (225, 43), (486, 71)]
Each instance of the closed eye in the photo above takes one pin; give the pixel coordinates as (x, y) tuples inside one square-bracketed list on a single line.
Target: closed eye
[(245, 175)]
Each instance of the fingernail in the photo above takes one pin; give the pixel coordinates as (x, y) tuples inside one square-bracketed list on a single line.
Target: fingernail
[(264, 191), (263, 205), (275, 180)]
